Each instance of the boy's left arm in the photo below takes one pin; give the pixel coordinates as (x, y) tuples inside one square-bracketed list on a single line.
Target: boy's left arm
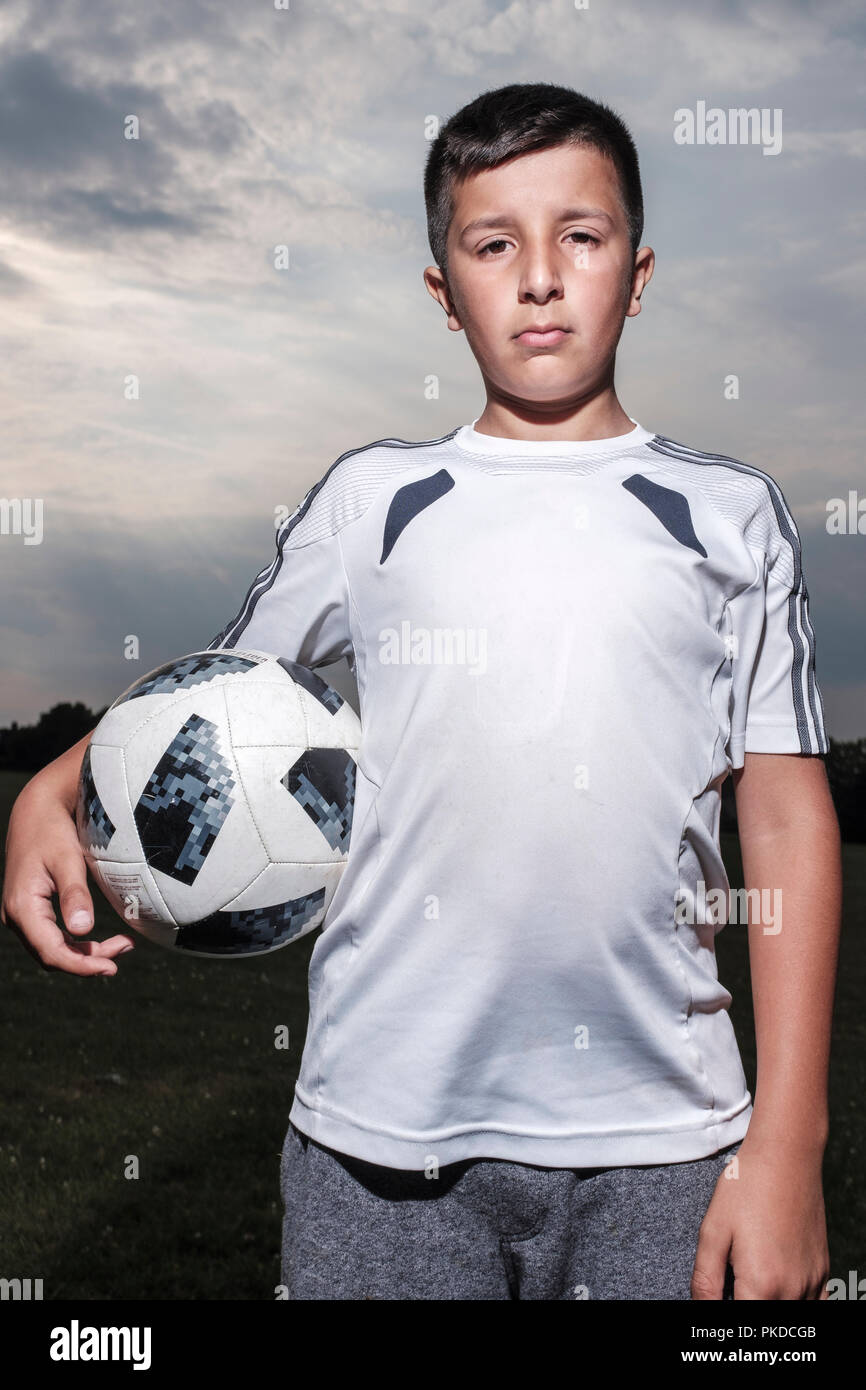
[(768, 1221)]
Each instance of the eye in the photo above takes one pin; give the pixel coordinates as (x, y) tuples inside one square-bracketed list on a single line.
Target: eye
[(499, 242)]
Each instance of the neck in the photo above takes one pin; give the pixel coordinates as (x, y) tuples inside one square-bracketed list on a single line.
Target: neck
[(601, 417)]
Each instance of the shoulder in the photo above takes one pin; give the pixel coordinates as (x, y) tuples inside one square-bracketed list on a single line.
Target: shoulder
[(748, 497), (346, 490)]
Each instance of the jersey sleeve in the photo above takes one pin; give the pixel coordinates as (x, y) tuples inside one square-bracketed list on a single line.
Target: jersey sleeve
[(298, 605), (776, 705)]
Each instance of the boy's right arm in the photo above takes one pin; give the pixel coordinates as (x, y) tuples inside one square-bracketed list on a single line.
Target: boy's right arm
[(43, 856)]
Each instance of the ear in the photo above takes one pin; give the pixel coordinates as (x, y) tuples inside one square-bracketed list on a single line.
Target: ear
[(644, 263), (437, 285)]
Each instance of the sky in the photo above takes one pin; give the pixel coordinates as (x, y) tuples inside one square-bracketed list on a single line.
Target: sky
[(308, 126)]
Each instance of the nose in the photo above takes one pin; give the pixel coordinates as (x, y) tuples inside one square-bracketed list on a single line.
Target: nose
[(540, 280)]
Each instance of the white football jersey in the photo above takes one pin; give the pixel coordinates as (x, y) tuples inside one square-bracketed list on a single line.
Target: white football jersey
[(561, 651)]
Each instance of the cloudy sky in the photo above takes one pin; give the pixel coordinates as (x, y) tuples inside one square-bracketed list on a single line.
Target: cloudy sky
[(306, 126)]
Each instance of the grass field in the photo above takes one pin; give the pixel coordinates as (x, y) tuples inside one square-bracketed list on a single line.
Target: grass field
[(174, 1061)]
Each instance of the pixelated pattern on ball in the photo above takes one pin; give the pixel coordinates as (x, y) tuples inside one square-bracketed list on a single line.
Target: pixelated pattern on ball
[(186, 800), (251, 930), (324, 693), (323, 781), (94, 822), (186, 673)]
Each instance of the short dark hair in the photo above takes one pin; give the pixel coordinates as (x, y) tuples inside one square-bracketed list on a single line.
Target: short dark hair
[(516, 119)]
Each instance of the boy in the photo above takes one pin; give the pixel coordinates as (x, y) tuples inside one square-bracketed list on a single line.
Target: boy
[(520, 1078)]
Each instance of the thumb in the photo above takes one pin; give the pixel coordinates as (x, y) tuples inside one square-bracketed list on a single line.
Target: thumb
[(76, 904)]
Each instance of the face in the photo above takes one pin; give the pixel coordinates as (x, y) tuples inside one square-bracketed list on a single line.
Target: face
[(542, 241)]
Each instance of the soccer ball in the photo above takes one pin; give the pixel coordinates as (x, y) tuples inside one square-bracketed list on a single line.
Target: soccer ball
[(215, 801)]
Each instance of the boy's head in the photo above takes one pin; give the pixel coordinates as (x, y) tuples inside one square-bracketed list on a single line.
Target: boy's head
[(535, 217)]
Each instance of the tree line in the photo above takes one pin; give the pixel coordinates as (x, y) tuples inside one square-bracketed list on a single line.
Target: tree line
[(28, 747)]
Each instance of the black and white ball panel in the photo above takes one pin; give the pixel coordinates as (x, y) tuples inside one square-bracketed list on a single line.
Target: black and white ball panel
[(216, 797)]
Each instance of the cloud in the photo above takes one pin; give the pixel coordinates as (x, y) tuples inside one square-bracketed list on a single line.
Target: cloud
[(166, 385)]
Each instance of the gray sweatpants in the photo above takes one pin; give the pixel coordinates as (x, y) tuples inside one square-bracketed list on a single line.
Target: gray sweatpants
[(489, 1228)]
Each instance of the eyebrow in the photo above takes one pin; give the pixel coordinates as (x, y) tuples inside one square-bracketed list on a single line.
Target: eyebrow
[(503, 220)]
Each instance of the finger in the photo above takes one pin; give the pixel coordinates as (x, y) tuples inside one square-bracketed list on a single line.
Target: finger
[(34, 923), (76, 906), (711, 1260), (109, 948)]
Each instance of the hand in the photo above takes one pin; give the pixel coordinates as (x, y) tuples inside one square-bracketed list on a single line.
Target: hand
[(43, 856), (766, 1218)]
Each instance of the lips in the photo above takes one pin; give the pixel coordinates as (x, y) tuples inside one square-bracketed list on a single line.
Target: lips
[(545, 335)]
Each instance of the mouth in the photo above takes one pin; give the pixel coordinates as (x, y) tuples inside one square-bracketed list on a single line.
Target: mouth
[(547, 335)]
